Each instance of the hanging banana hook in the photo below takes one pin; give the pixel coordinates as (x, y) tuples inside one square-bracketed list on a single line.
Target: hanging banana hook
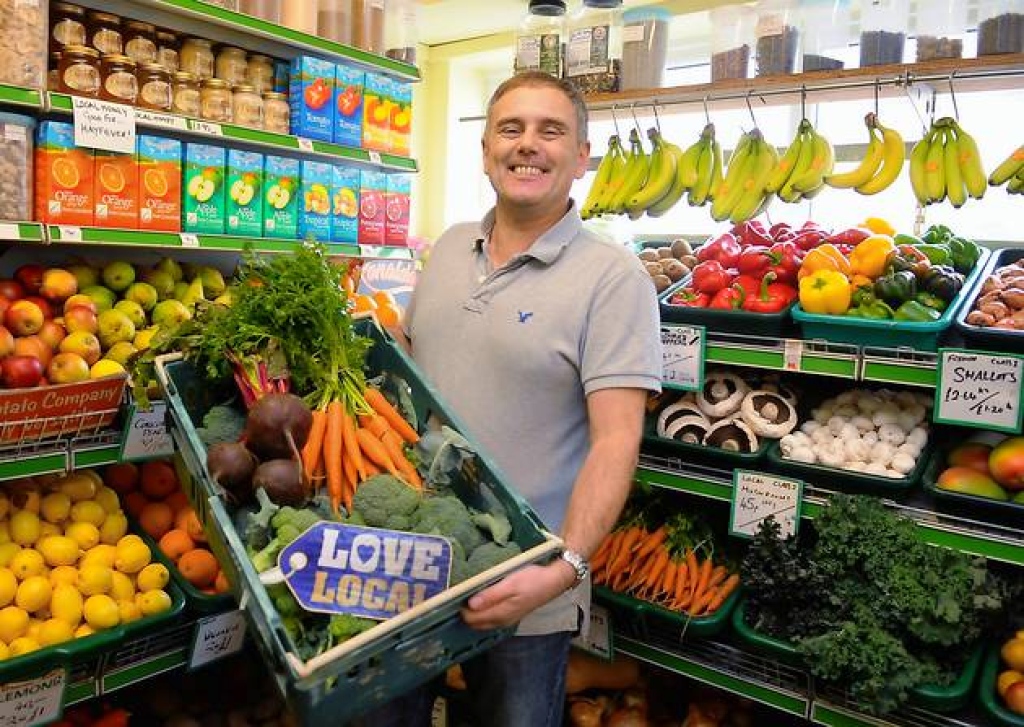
[(632, 110), (657, 121), (878, 87), (803, 101), (952, 96), (906, 90), (707, 116), (749, 109), (615, 121)]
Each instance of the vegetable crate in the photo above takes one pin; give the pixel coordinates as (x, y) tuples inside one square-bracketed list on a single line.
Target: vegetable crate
[(59, 411), (399, 653), (994, 339)]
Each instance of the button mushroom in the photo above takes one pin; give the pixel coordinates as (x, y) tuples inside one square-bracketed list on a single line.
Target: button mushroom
[(722, 394), (690, 429), (768, 414), (732, 435), (678, 410)]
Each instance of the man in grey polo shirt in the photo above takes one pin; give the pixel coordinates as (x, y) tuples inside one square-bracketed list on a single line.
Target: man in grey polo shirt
[(544, 340)]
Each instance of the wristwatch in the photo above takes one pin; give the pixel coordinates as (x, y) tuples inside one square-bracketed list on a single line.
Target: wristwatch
[(578, 563)]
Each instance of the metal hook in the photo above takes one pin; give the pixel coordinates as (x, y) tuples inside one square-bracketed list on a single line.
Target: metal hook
[(707, 116), (636, 123), (657, 121), (615, 121), (906, 90), (878, 87), (803, 101), (952, 96)]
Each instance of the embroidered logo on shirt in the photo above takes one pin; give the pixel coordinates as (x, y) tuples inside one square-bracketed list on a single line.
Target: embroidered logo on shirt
[(524, 316)]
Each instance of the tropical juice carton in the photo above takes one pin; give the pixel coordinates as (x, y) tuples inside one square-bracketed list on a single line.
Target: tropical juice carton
[(376, 113), (401, 117), (396, 209), (372, 186), (348, 105), (311, 94), (315, 213), (203, 198), (159, 183), (245, 193), (281, 201), (345, 204), (64, 193), (116, 181)]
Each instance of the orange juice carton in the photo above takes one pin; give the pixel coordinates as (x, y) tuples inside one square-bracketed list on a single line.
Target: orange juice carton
[(401, 117), (64, 192), (345, 205), (396, 209), (311, 95), (376, 112), (372, 186), (203, 198), (315, 212), (348, 105), (281, 201), (245, 193), (116, 181), (159, 183)]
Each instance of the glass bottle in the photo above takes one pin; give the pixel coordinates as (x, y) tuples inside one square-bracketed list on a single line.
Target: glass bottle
[(196, 57), (167, 45), (247, 106), (154, 87), (940, 30), (731, 38), (215, 102), (593, 50), (400, 22), (276, 112), (1000, 26), (79, 71), (883, 31), (231, 65), (118, 84), (824, 33), (260, 73), (539, 38), (185, 99)]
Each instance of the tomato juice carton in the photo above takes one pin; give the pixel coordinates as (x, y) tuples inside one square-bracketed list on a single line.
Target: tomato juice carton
[(372, 187), (116, 181), (376, 113), (281, 201), (159, 160), (396, 209), (315, 212), (401, 117), (64, 193), (245, 193), (345, 204), (348, 105), (203, 197), (311, 95)]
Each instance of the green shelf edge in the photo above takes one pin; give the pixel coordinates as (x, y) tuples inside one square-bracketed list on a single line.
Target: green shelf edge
[(84, 458), (809, 364), (894, 373), (120, 678), (38, 464), (833, 717), (25, 232), (19, 96), (143, 238), (80, 692), (692, 485)]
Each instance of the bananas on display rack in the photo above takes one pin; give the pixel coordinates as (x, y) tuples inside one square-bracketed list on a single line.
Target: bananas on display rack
[(880, 165), (742, 193), (1010, 172), (800, 173), (945, 164)]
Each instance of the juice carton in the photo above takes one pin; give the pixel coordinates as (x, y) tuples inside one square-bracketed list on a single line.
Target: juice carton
[(64, 192), (348, 105), (311, 94), (315, 213), (245, 193), (281, 202), (116, 185), (203, 197), (401, 117), (159, 183), (376, 114), (282, 76), (345, 207), (371, 208), (396, 208)]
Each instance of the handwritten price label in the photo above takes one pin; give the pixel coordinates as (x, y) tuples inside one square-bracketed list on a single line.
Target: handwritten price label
[(206, 127), (374, 156), (103, 125), (189, 239), (980, 390), (34, 701), (66, 233), (598, 639), (757, 496), (216, 637), (146, 435), (682, 357), (305, 144)]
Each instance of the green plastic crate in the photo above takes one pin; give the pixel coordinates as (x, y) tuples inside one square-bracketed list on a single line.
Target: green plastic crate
[(979, 337), (701, 626), (398, 654), (784, 651), (725, 321), (698, 452), (847, 480), (991, 704), (975, 507)]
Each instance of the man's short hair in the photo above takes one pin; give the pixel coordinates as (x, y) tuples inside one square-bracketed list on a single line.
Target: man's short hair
[(534, 79)]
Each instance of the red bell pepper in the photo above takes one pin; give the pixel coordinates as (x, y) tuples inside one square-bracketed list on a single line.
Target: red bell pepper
[(849, 236), (749, 283), (688, 298), (710, 277), (730, 298), (785, 260), (809, 239), (772, 297), (751, 232), (725, 249), (779, 228), (754, 260)]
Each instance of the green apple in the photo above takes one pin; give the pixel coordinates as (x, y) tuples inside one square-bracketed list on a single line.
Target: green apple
[(103, 297), (118, 275), (86, 275), (169, 313), (213, 281), (145, 294), (171, 267), (133, 310), (115, 326)]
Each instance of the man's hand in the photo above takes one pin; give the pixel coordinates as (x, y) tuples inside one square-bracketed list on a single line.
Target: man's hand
[(509, 600)]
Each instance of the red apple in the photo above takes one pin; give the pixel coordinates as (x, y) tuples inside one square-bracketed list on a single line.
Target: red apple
[(80, 301), (35, 347), (52, 333), (6, 342), (20, 372), (1014, 697), (80, 318), (11, 289), (43, 303), (24, 318), (4, 305), (58, 284), (30, 276), (67, 368)]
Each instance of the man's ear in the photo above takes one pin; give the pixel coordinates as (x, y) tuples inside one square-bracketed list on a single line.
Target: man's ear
[(584, 160)]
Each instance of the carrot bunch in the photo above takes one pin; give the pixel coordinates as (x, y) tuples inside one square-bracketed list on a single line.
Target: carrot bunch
[(349, 443)]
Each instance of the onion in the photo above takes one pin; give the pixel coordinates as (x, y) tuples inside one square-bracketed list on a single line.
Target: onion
[(277, 426)]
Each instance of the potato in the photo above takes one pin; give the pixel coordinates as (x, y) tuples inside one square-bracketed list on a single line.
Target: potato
[(689, 261), (674, 269), (681, 247), (648, 255), (661, 282), (654, 268), (664, 252)]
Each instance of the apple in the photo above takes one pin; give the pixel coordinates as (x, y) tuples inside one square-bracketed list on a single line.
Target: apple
[(58, 284), (20, 372), (1014, 697), (6, 342), (84, 344), (81, 318), (35, 347), (115, 326), (4, 305), (30, 276), (11, 289), (169, 313), (24, 318), (78, 300), (43, 303), (67, 368), (133, 310), (85, 275), (104, 298), (52, 333), (118, 275)]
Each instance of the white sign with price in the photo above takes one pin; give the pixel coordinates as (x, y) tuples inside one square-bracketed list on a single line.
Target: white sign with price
[(103, 125), (682, 356), (33, 701), (757, 495), (980, 390), (598, 639), (216, 637), (146, 435)]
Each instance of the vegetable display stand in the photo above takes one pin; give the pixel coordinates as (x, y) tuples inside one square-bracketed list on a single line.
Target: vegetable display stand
[(989, 338), (724, 321), (992, 705), (965, 504), (954, 696), (699, 453), (847, 480), (398, 654), (700, 626), (784, 651)]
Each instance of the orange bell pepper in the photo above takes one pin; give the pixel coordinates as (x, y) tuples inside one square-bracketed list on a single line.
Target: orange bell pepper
[(824, 257)]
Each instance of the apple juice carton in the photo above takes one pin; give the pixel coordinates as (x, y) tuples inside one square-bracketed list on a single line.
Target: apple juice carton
[(64, 193), (401, 117), (396, 209), (372, 186), (311, 94), (315, 213), (116, 181), (281, 201), (348, 105), (159, 183), (345, 205), (245, 193), (203, 197), (376, 114)]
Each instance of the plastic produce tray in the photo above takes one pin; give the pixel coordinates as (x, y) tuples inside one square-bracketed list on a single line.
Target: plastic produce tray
[(996, 339), (398, 654), (991, 704), (784, 651), (834, 477), (701, 626), (725, 321), (964, 504), (698, 452)]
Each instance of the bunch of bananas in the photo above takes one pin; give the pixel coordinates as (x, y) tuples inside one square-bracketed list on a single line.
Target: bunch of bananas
[(1010, 172), (800, 173), (945, 164), (743, 193), (881, 164)]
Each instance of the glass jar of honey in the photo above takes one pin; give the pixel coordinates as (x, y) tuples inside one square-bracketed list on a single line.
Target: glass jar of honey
[(247, 107), (276, 112), (260, 73), (79, 71), (118, 79), (167, 50), (104, 32), (67, 26), (215, 100), (154, 87), (231, 65), (185, 96), (196, 57), (140, 42)]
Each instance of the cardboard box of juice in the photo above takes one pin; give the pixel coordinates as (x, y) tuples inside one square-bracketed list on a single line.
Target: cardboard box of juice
[(282, 76), (345, 204), (116, 185), (372, 187), (348, 105), (315, 213), (281, 201), (159, 160), (203, 198), (64, 193), (376, 113), (311, 94), (401, 117), (396, 208), (245, 193)]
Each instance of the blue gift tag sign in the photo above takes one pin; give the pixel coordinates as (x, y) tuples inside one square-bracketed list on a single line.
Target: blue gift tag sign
[(369, 572)]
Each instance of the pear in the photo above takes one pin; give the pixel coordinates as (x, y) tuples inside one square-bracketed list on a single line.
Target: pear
[(171, 267), (213, 282), (194, 294)]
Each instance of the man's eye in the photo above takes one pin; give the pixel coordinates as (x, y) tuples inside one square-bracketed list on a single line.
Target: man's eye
[(508, 130)]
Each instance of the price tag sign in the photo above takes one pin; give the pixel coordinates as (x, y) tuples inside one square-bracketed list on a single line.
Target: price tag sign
[(305, 144), (104, 125), (9, 231), (374, 156), (216, 637), (189, 239), (792, 354), (33, 701), (682, 357), (206, 127), (145, 435), (980, 390), (160, 121), (757, 496), (598, 639), (69, 234)]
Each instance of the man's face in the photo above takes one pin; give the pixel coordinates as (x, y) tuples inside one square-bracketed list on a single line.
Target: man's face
[(532, 149)]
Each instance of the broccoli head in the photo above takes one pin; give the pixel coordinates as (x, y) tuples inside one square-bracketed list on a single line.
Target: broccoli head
[(258, 524), (382, 496), (489, 555), (396, 522), (447, 516), (344, 626), (221, 424)]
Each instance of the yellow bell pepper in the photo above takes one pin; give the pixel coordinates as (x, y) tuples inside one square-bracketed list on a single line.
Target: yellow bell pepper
[(825, 291), (879, 226), (824, 257), (860, 281), (871, 256)]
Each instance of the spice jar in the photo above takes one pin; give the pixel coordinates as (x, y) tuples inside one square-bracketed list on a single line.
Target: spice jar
[(104, 32), (731, 38), (260, 73), (67, 26), (593, 48), (196, 57), (167, 50), (154, 87), (215, 100), (118, 79), (79, 71), (883, 31), (140, 41), (185, 96), (247, 106), (23, 41), (276, 112), (231, 65)]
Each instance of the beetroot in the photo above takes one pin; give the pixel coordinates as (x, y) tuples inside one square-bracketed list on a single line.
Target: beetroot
[(231, 466), (277, 426), (283, 481)]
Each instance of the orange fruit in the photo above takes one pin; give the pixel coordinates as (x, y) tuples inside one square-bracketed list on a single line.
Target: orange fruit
[(187, 520), (1013, 654), (199, 567), (157, 479), (122, 477), (1007, 678), (220, 583), (156, 518), (155, 182), (175, 543), (65, 173), (363, 303), (111, 178)]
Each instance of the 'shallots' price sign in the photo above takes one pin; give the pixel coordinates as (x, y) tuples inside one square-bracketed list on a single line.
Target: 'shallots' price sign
[(103, 125), (145, 434), (756, 496), (216, 637), (682, 352), (33, 701), (598, 640), (980, 390)]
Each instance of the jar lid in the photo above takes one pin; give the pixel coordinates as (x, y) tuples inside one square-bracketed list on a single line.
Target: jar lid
[(117, 58), (200, 41), (547, 7), (231, 49), (166, 35), (81, 50), (244, 88), (153, 67), (605, 4), (215, 83), (141, 26), (104, 18), (185, 76), (275, 96), (257, 58), (68, 8)]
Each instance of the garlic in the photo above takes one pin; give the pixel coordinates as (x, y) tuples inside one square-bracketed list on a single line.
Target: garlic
[(902, 463), (895, 474), (910, 449), (855, 466), (891, 434), (905, 398), (821, 437), (833, 455)]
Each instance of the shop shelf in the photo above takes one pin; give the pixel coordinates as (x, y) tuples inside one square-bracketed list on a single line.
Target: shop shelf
[(21, 232), (990, 339), (835, 360), (700, 453), (779, 649), (685, 625), (991, 704), (903, 366), (846, 480), (727, 321), (20, 96)]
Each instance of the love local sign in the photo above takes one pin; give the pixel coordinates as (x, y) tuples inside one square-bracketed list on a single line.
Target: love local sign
[(369, 572)]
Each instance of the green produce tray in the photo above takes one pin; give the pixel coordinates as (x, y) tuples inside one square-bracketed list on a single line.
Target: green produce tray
[(991, 703), (840, 479), (886, 333), (698, 452), (702, 626), (995, 339), (725, 321), (975, 507), (398, 654), (782, 650)]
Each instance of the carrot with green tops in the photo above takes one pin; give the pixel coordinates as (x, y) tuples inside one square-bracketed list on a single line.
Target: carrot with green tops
[(701, 585), (352, 449), (651, 541), (377, 424), (718, 574), (668, 580), (350, 471), (682, 587), (630, 539), (722, 592), (376, 452), (383, 407), (600, 556), (396, 449), (332, 448), (313, 450)]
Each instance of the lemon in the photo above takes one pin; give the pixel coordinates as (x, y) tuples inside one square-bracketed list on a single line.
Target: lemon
[(5, 531), (7, 551), (23, 645), (85, 534), (102, 554), (121, 586), (132, 557), (58, 550), (84, 630), (27, 562), (88, 511), (113, 528), (26, 497), (5, 653), (130, 538), (153, 576), (93, 475), (64, 574), (101, 611), (55, 507), (47, 529), (152, 602), (94, 579), (128, 611), (108, 500), (24, 526), (79, 486), (33, 593), (66, 604), (54, 631), (32, 631), (8, 586), (13, 623)]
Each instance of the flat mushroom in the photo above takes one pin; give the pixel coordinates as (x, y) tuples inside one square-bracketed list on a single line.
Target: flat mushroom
[(768, 413), (722, 394), (732, 435), (690, 429)]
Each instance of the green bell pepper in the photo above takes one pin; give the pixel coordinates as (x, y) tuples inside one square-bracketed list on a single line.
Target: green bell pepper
[(914, 312), (937, 254), (931, 300), (903, 238), (964, 254), (896, 287), (873, 309), (937, 234), (943, 281)]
